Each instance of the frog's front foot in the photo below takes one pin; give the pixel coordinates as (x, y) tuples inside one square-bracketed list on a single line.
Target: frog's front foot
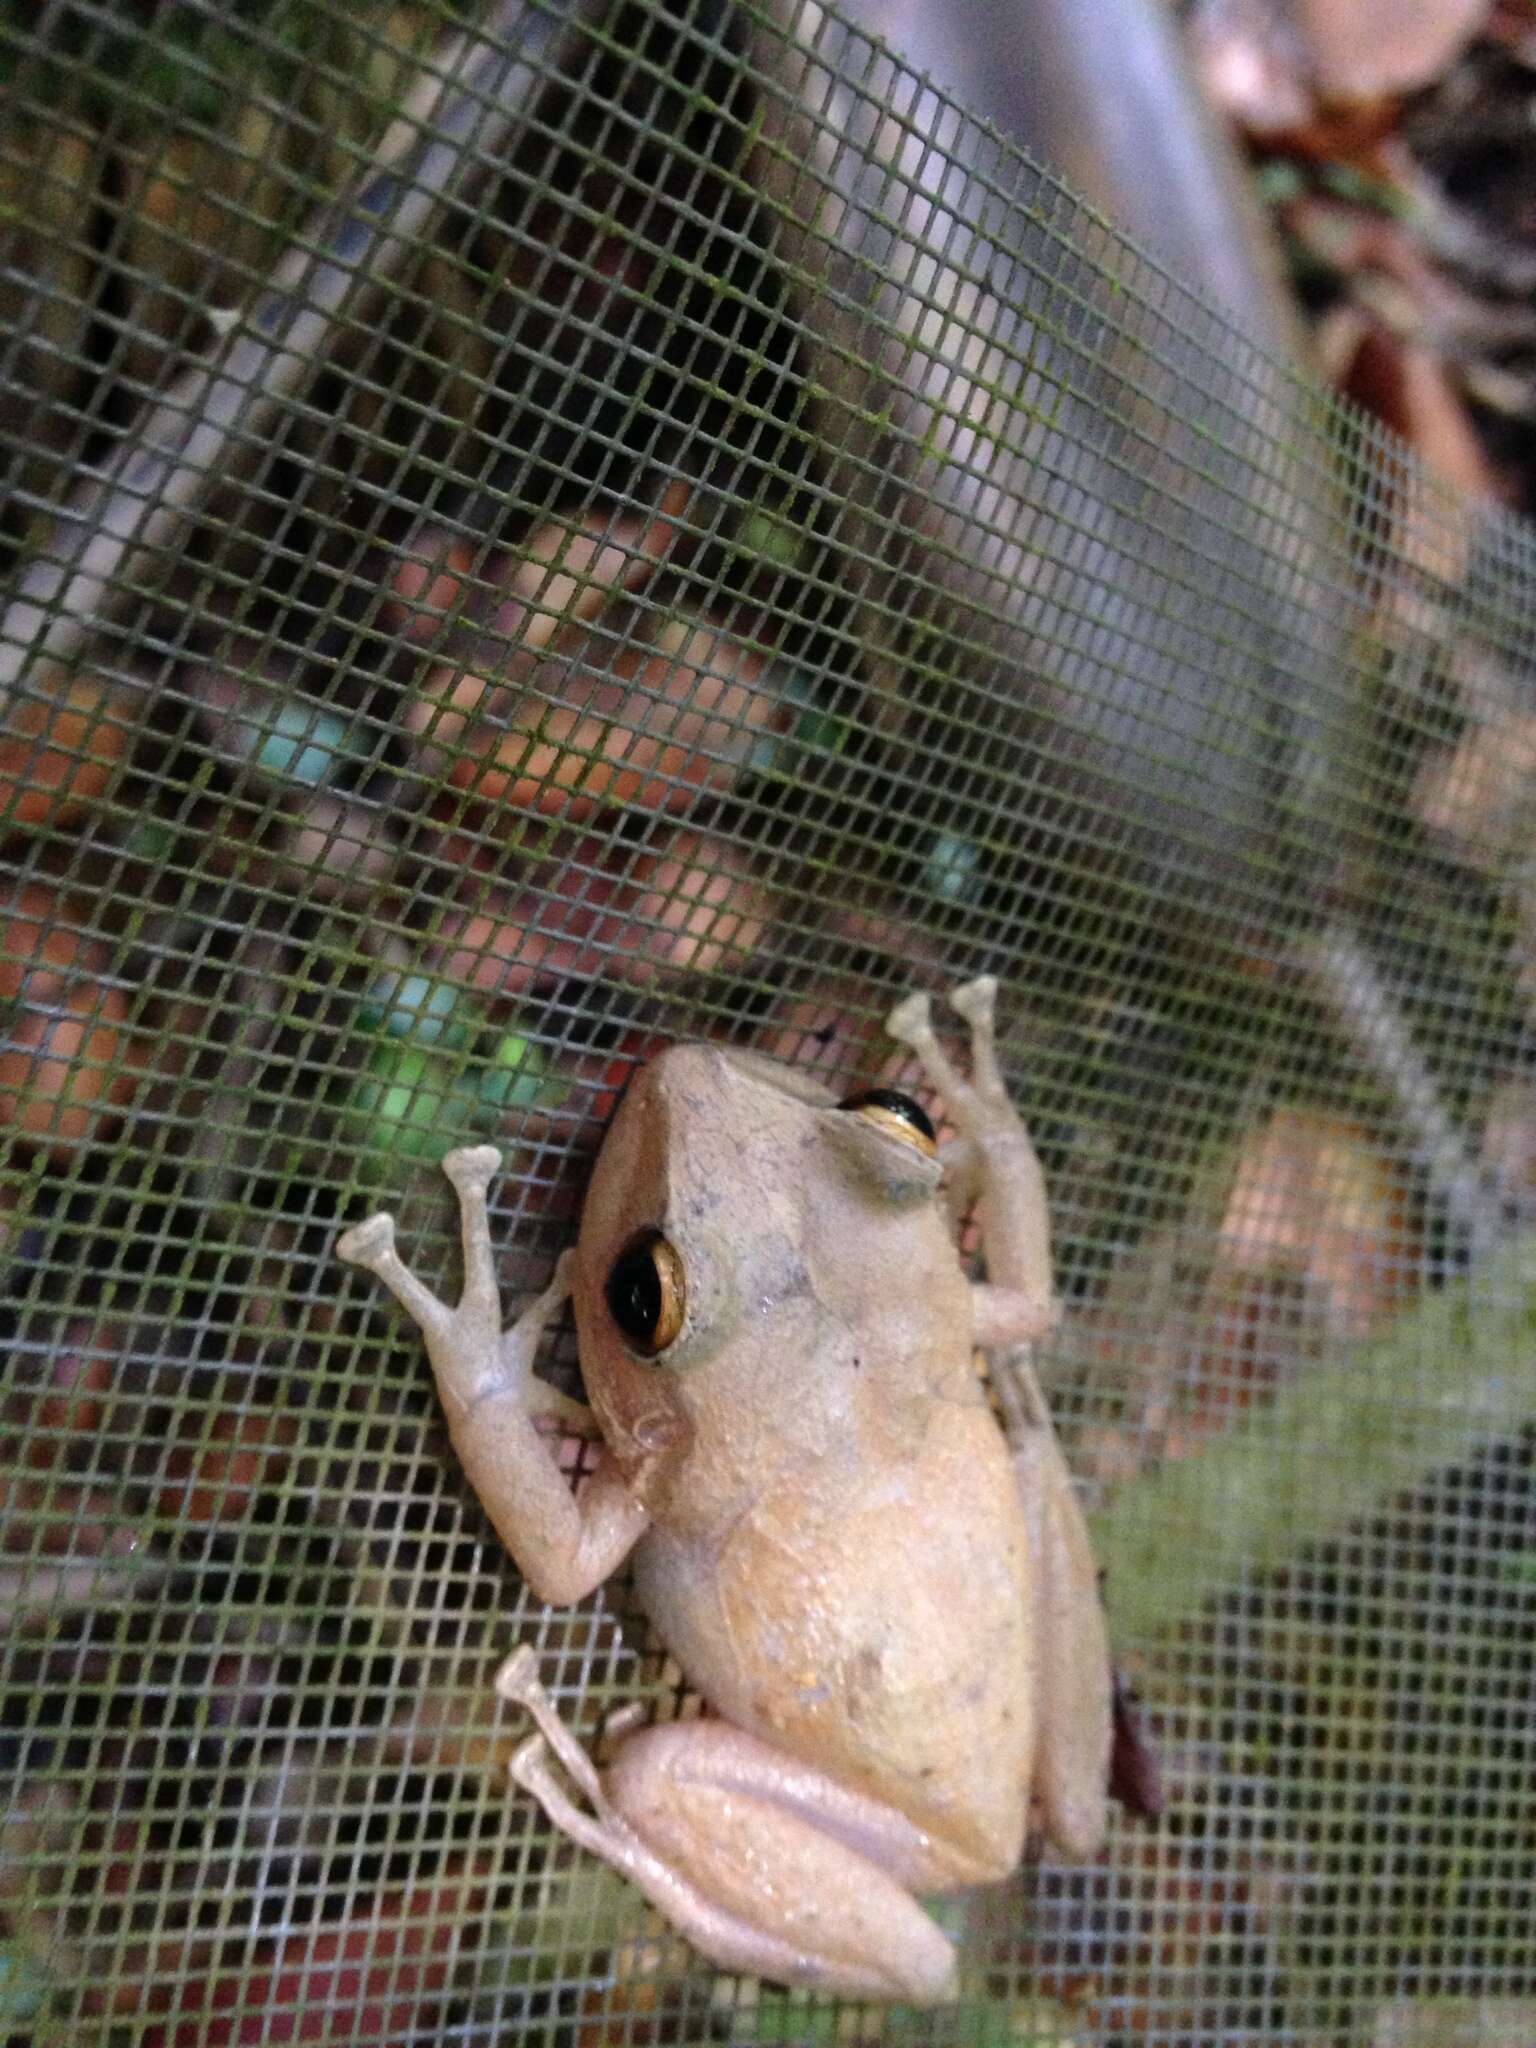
[(982, 1103), (912, 1018), (990, 1157), (469, 1332), (976, 1002), (472, 1168)]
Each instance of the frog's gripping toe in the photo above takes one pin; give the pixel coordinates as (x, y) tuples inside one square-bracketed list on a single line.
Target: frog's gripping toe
[(529, 1765), (472, 1166), (976, 1001), (519, 1676), (368, 1242), (912, 1019)]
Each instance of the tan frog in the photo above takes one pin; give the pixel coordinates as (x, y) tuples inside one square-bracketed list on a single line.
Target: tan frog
[(889, 1602)]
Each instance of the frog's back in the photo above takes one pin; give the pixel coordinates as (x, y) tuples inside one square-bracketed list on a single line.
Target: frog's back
[(875, 1624)]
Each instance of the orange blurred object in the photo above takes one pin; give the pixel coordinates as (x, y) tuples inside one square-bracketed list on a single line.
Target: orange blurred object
[(610, 1073), (48, 1519), (80, 1375), (690, 904), (213, 1480), (1313, 1196), (562, 576), (429, 584), (700, 910), (65, 1057), (661, 726), (569, 573), (374, 1980), (57, 753)]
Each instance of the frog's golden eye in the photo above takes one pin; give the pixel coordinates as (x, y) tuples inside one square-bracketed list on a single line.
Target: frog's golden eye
[(646, 1293), (898, 1116)]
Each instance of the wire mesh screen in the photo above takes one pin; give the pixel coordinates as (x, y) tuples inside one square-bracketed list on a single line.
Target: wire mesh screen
[(542, 531)]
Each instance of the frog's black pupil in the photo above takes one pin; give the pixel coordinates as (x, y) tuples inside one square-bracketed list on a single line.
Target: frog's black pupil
[(892, 1100), (634, 1293)]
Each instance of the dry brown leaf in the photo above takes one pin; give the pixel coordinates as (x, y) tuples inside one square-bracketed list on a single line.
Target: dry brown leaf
[(1479, 796), (1410, 390), (1251, 64), (1434, 501), (1508, 1150), (1362, 48), (1313, 1197), (1271, 65), (1314, 1242)]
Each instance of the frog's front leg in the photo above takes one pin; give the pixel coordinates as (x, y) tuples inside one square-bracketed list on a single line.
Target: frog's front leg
[(768, 1866), (995, 1154), (563, 1543)]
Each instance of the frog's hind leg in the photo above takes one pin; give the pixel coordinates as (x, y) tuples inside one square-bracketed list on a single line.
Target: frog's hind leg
[(767, 1867), (1018, 1307)]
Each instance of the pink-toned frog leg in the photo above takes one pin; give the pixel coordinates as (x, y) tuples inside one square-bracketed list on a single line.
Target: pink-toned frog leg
[(961, 1161), (768, 1867), (1013, 1311), (564, 1544)]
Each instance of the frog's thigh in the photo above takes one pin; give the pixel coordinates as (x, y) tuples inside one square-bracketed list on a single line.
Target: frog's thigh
[(797, 1878)]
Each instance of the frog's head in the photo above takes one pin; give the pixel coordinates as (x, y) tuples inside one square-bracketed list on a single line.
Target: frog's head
[(703, 1222), (689, 1223)]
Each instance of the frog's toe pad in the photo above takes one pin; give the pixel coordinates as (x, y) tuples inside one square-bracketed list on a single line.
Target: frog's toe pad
[(528, 1766), (366, 1243), (519, 1675), (472, 1165), (975, 1000), (912, 1019)]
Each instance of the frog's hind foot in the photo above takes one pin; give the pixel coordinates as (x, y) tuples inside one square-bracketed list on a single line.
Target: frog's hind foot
[(695, 1814), (518, 1682), (602, 1830), (598, 1826), (692, 1813), (518, 1676)]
